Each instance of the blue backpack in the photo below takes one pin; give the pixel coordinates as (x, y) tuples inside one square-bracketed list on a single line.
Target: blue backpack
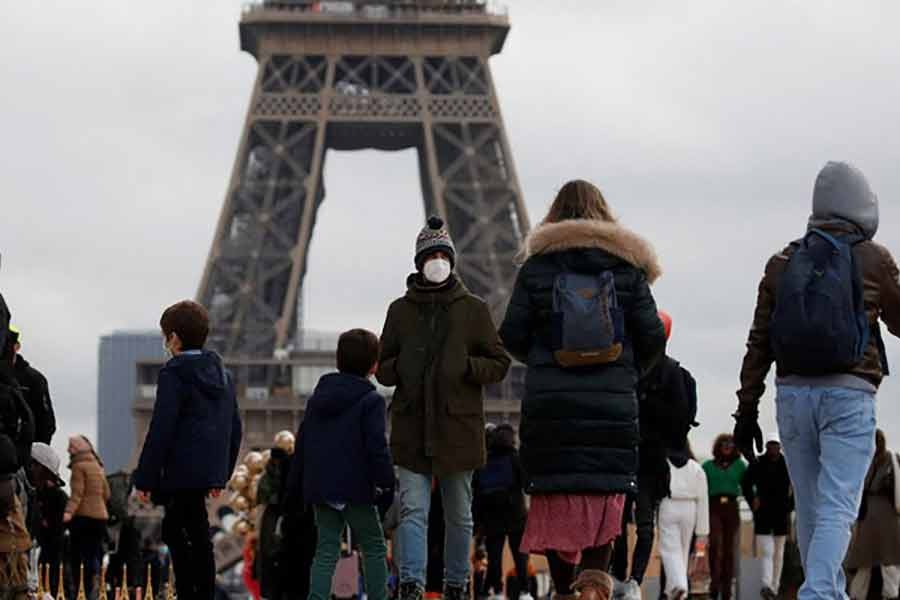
[(820, 326), (589, 324)]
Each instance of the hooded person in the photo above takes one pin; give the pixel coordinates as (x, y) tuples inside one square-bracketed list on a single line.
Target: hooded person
[(667, 408), (35, 390), (440, 348), (826, 417), (191, 446)]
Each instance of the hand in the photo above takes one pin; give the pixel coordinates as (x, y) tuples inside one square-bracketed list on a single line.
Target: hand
[(747, 433), (143, 496), (214, 493), (754, 506), (67, 517)]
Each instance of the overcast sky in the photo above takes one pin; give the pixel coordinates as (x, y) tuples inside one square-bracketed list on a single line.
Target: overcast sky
[(704, 123)]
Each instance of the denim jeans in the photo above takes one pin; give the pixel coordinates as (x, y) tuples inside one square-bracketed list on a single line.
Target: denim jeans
[(412, 533), (828, 436)]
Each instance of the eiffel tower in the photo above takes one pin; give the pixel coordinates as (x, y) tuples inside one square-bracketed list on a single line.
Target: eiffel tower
[(348, 75)]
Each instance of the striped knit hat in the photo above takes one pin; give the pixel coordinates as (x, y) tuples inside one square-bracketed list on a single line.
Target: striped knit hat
[(432, 238)]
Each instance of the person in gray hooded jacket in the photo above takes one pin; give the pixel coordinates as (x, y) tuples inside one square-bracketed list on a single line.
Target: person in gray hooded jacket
[(826, 421)]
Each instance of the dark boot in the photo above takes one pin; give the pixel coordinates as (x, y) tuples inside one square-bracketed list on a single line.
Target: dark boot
[(411, 591)]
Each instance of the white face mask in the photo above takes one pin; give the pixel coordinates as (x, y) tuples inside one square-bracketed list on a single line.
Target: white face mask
[(437, 270)]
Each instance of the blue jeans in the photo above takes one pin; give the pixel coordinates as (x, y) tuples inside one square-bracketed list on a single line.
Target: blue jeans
[(412, 533), (828, 436)]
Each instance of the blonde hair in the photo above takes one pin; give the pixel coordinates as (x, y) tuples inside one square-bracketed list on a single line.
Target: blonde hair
[(579, 199)]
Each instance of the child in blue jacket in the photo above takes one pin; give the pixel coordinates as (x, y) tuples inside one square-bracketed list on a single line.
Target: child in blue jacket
[(342, 464)]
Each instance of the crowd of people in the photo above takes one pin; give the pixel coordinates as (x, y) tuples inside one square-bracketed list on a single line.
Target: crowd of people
[(603, 440)]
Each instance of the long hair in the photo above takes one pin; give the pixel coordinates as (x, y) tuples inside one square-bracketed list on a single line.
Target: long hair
[(579, 199), (721, 440)]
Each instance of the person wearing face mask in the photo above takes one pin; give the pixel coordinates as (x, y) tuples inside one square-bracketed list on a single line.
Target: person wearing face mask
[(439, 347), (191, 446)]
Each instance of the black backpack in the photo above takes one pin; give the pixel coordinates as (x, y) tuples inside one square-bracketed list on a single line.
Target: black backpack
[(819, 325), (671, 393)]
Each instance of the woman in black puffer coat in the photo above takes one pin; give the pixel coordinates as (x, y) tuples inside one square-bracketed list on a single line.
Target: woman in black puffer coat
[(579, 428)]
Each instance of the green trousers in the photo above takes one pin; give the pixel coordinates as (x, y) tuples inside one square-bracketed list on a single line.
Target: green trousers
[(367, 533)]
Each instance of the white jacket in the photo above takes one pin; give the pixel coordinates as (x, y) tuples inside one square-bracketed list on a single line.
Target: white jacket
[(689, 483)]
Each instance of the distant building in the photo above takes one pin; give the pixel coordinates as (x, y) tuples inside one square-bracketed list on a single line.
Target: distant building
[(119, 355)]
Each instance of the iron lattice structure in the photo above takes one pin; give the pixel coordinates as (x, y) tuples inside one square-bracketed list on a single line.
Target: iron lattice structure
[(351, 75)]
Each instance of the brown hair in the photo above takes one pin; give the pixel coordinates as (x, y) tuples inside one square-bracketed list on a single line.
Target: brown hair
[(721, 440), (189, 320), (357, 352), (579, 199)]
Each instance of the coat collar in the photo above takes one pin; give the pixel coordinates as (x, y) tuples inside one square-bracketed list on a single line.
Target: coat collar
[(591, 233)]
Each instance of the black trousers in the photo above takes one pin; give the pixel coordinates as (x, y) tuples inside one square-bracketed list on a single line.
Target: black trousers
[(87, 537), (185, 530), (495, 544), (645, 506)]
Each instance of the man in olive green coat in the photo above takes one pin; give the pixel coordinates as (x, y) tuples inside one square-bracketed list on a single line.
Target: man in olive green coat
[(439, 347)]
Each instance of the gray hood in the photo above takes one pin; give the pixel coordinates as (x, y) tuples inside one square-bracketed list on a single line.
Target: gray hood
[(842, 194)]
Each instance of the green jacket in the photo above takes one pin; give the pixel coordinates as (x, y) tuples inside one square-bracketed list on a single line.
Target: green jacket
[(439, 347), (725, 482)]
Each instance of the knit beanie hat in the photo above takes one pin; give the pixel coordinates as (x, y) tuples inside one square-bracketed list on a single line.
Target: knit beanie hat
[(432, 238)]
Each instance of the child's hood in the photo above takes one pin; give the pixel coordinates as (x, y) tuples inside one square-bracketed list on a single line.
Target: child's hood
[(336, 393), (203, 370)]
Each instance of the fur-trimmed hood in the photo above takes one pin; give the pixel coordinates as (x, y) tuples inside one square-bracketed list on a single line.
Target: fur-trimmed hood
[(591, 233)]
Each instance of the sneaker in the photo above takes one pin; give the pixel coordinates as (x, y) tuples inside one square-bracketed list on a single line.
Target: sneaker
[(768, 593), (679, 594), (525, 596), (631, 590), (411, 591), (455, 592)]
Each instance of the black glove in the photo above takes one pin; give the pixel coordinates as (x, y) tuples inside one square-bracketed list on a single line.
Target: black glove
[(747, 432)]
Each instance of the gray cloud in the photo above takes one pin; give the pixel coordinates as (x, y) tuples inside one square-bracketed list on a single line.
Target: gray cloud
[(704, 123)]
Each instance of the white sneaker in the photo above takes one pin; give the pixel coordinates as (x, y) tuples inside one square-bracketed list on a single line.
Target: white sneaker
[(525, 596), (632, 590), (618, 589)]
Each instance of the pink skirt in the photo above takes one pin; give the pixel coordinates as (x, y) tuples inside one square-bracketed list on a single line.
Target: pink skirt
[(570, 523)]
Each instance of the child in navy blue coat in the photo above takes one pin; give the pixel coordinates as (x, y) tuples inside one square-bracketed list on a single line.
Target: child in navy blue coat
[(342, 464)]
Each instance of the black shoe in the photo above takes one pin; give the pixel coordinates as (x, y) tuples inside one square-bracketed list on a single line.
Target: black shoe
[(411, 591), (768, 594), (452, 592)]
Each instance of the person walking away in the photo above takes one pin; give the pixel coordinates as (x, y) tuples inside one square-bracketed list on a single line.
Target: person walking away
[(767, 489), (876, 538), (683, 517), (583, 320), (828, 368), (667, 408), (298, 528), (36, 391), (86, 514), (15, 542), (16, 418), (440, 349), (347, 464), (50, 502), (191, 446), (500, 511), (724, 474)]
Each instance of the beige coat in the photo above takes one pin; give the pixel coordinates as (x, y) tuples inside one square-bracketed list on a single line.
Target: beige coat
[(876, 538), (89, 488)]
